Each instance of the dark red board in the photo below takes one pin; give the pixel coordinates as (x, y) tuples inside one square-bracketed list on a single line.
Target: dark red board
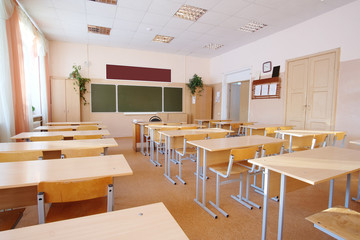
[(120, 72)]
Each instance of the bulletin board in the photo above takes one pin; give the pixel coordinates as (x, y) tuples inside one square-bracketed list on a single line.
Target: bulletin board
[(266, 88)]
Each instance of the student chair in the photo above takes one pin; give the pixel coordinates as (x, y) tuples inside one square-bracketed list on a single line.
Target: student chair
[(87, 127), (73, 153), (20, 156), (189, 150), (188, 127), (159, 141), (215, 135), (285, 128), (60, 130), (82, 137), (338, 137), (225, 170), (300, 143), (270, 131), (236, 128), (242, 129), (47, 138), (212, 123), (320, 140), (74, 198)]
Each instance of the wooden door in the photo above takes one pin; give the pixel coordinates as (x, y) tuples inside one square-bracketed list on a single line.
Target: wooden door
[(58, 100), (201, 108), (72, 101), (296, 93), (320, 104)]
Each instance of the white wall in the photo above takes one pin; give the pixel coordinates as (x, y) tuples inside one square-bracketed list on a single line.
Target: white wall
[(94, 59), (336, 29)]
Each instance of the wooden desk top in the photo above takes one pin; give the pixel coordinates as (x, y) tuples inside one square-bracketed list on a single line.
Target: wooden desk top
[(262, 126), (302, 133), (233, 122), (220, 144), (57, 145), (27, 135), (173, 126), (176, 133), (147, 123), (47, 128), (151, 222), (313, 166), (357, 142), (72, 123), (30, 173)]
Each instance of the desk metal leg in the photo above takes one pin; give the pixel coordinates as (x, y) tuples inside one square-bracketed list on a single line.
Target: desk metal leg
[(142, 140), (331, 192), (167, 159), (265, 203), (197, 173), (358, 193), (152, 147), (347, 196), (281, 206), (290, 144), (250, 132)]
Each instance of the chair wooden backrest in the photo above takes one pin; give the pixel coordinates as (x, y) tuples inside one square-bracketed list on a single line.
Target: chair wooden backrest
[(192, 137), (260, 132), (188, 127), (158, 137), (81, 137), (47, 138), (338, 137), (242, 129), (235, 127), (270, 149), (20, 156), (270, 131), (213, 123), (87, 127), (285, 128), (320, 140), (60, 130), (300, 143), (214, 135), (72, 191), (73, 153)]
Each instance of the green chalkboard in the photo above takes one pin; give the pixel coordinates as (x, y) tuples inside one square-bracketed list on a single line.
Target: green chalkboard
[(103, 98), (139, 99), (173, 99)]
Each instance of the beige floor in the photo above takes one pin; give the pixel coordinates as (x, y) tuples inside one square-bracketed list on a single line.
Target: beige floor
[(148, 185)]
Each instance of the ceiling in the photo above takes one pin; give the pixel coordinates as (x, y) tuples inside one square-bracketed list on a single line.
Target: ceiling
[(134, 23)]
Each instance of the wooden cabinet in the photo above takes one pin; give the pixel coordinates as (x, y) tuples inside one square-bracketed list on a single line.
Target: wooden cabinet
[(65, 100), (201, 105)]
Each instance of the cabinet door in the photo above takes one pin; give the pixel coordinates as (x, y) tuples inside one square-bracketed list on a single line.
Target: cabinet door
[(296, 93), (58, 100), (321, 96), (72, 101)]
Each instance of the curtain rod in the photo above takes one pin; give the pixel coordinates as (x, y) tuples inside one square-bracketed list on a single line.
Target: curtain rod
[(30, 18)]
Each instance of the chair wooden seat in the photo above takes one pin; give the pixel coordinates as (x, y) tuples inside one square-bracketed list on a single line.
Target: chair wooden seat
[(215, 135), (9, 219), (63, 211), (339, 221)]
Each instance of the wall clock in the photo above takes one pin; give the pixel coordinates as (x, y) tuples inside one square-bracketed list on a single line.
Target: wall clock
[(266, 66)]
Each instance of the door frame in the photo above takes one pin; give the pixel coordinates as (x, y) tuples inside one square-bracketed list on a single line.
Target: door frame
[(337, 52), (243, 74)]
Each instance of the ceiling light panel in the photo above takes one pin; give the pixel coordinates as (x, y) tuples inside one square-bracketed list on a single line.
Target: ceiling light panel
[(213, 46), (252, 27), (99, 30), (162, 39), (113, 2), (191, 13)]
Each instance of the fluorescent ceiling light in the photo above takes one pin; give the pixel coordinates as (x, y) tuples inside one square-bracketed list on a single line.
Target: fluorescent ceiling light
[(191, 13), (99, 30), (113, 2), (163, 39), (213, 46), (252, 27)]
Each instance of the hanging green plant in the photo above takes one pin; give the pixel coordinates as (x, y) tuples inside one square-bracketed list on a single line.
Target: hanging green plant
[(80, 81), (195, 84)]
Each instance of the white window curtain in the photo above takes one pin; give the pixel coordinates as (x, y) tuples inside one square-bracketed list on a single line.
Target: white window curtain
[(7, 122), (42, 49)]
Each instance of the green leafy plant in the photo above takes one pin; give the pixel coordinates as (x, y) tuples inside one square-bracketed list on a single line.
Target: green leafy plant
[(33, 108), (195, 84), (80, 81)]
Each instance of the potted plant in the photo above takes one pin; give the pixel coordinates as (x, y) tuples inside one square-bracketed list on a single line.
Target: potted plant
[(195, 84), (80, 81)]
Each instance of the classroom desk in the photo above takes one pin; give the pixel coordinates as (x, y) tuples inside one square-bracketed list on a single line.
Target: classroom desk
[(67, 134), (217, 151), (19, 180), (151, 222), (58, 145), (55, 128), (262, 126), (72, 123), (222, 124), (153, 128), (139, 130), (175, 139), (302, 133), (201, 121), (311, 166), (357, 142)]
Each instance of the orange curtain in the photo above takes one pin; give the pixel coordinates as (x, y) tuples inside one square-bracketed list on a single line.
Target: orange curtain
[(48, 86), (17, 73)]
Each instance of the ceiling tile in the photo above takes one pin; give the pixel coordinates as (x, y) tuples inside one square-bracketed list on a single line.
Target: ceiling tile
[(230, 7), (190, 35), (141, 5), (149, 29), (172, 32), (212, 18), (164, 7), (179, 23), (125, 25), (100, 21), (200, 27), (80, 28), (253, 10), (70, 16), (121, 35), (156, 19), (206, 4), (130, 15), (101, 9), (234, 22), (70, 5)]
